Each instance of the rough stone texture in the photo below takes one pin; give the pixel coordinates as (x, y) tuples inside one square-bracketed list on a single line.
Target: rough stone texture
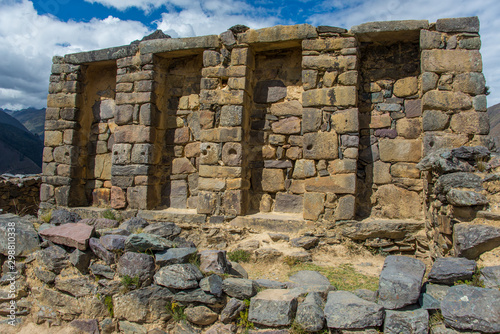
[(470, 308), (305, 242), (344, 310), (470, 241), (400, 281), (175, 256), (491, 277), (232, 310), (449, 270), (310, 313), (178, 276), (212, 284), (200, 315), (143, 305), (163, 229), (412, 321), (272, 308), (465, 198), (214, 261), (27, 240), (143, 242), (459, 24), (100, 251), (380, 228), (72, 235), (239, 288), (53, 258), (137, 265)]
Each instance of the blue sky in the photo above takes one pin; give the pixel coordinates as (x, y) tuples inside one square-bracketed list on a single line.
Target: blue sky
[(31, 32)]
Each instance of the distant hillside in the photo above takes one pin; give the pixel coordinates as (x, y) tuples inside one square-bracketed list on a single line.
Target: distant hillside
[(33, 119), (494, 115), (20, 150)]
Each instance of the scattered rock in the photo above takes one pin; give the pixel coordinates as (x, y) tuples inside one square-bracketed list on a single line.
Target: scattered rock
[(184, 327), (269, 284), (143, 242), (240, 288), (54, 258), (102, 270), (143, 305), (196, 296), (85, 326), (491, 277), (137, 265), (400, 281), (451, 269), (465, 198), (309, 277), (27, 240), (178, 276), (344, 310), (232, 310), (470, 308), (472, 240), (305, 242), (80, 260), (201, 315), (214, 261), (278, 236), (310, 314), (237, 270), (272, 308), (101, 252), (163, 229), (133, 224), (212, 284), (432, 295), (59, 217), (77, 287), (113, 242), (175, 256), (70, 234), (131, 328), (367, 295), (412, 321), (100, 223)]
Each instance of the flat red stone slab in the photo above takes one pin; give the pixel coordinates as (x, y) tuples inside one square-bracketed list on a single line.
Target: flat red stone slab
[(73, 235)]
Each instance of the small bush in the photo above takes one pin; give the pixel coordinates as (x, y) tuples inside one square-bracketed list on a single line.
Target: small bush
[(195, 260), (46, 217), (130, 282), (108, 214), (296, 328), (176, 311), (239, 255), (475, 280), (108, 301), (243, 321)]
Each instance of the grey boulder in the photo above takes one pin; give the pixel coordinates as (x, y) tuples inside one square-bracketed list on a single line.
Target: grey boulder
[(451, 269), (137, 265), (310, 315), (272, 308), (178, 276), (174, 256), (491, 277), (471, 240), (345, 310), (411, 321), (240, 288)]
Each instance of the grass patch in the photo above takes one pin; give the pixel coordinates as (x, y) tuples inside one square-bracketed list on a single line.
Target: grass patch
[(46, 217), (108, 214), (435, 318), (343, 277), (475, 280), (243, 321), (108, 301), (176, 311), (239, 255), (194, 259), (130, 282)]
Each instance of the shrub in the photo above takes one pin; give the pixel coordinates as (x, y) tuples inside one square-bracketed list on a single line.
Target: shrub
[(239, 255)]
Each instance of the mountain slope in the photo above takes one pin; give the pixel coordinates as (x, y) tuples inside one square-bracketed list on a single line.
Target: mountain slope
[(20, 150), (33, 119), (494, 115)]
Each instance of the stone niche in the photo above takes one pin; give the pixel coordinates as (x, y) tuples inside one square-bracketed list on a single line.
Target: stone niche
[(96, 137), (179, 127)]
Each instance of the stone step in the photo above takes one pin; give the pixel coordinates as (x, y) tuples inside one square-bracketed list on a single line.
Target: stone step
[(178, 216), (274, 222), (380, 228)]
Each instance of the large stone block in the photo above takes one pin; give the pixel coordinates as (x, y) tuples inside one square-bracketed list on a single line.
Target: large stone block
[(434, 120), (400, 150), (399, 203), (269, 91), (220, 171), (207, 202), (232, 154), (346, 209), (134, 134), (304, 169), (231, 115), (288, 125), (338, 184), (345, 310), (269, 180), (323, 62), (458, 24), (278, 34), (121, 154), (209, 153), (221, 135), (472, 83), (458, 61), (322, 145), (139, 198), (313, 205), (409, 128), (234, 202), (273, 308), (345, 121), (337, 96), (470, 123), (406, 87), (288, 203), (445, 100), (287, 108), (311, 120)]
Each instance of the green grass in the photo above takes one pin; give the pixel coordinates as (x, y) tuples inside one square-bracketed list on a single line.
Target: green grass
[(108, 214), (108, 301), (343, 277), (176, 311), (129, 282), (243, 321), (475, 281), (239, 255), (46, 217)]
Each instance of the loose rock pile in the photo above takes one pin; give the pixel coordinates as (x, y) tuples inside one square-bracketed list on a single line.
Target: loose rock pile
[(135, 277)]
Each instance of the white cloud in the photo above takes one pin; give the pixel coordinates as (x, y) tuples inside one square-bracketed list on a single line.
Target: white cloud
[(28, 41), (347, 14)]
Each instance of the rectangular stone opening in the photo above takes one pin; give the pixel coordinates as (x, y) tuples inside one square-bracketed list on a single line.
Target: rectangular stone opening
[(389, 183), (181, 121), (275, 132), (96, 136)]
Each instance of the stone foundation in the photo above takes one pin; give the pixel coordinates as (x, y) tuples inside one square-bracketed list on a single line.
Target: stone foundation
[(19, 195)]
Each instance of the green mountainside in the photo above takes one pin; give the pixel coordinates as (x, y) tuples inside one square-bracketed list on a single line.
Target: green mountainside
[(33, 119)]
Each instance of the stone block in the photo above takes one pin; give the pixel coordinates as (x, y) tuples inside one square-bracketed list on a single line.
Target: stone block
[(346, 209), (431, 40), (53, 138), (211, 184), (288, 203), (309, 79), (323, 62), (209, 153), (342, 166), (329, 78), (304, 169), (211, 58), (207, 202), (269, 91), (406, 87), (379, 121), (415, 321), (65, 155), (134, 134), (399, 203), (138, 198), (344, 310), (143, 154), (434, 120), (294, 153), (329, 44), (458, 24), (220, 171), (338, 184), (287, 108), (471, 83), (268, 180), (222, 97), (473, 43), (118, 198), (313, 205), (429, 81), (234, 202), (232, 154), (340, 96), (381, 174), (242, 56), (62, 100), (121, 154), (273, 308), (221, 135), (349, 78), (278, 34), (311, 120), (321, 145), (231, 115), (409, 128), (345, 121), (458, 61), (413, 108), (182, 166), (407, 170), (277, 164), (470, 123), (479, 103), (288, 125), (400, 150)]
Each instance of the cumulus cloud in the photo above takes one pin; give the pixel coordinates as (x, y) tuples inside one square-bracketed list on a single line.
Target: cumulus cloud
[(28, 41), (347, 14)]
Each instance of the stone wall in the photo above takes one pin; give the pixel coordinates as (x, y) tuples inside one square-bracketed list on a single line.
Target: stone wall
[(322, 123), (19, 195)]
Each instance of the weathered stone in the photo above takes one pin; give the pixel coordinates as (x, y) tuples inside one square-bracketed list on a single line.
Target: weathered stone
[(72, 235), (403, 169), (313, 205), (182, 166), (232, 310), (399, 203), (288, 125), (336, 96), (163, 229), (491, 277), (458, 24), (409, 128), (400, 281), (101, 252), (201, 315), (231, 115), (405, 87), (322, 145), (232, 154), (77, 287), (338, 184), (175, 256), (470, 241), (196, 296), (102, 270), (133, 224), (346, 208), (387, 229), (429, 81), (239, 288), (278, 34), (269, 180), (472, 83), (431, 40), (287, 108), (345, 121), (470, 123), (53, 258), (137, 265), (288, 203), (381, 174), (400, 150), (309, 79), (344, 310), (131, 328), (470, 308), (269, 91), (27, 240), (451, 269), (447, 182), (458, 61), (212, 284), (80, 260), (411, 321), (310, 314), (305, 242), (63, 216), (214, 261), (434, 120), (389, 30), (85, 326), (273, 308), (143, 305), (465, 198), (113, 242), (178, 276), (309, 277)]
